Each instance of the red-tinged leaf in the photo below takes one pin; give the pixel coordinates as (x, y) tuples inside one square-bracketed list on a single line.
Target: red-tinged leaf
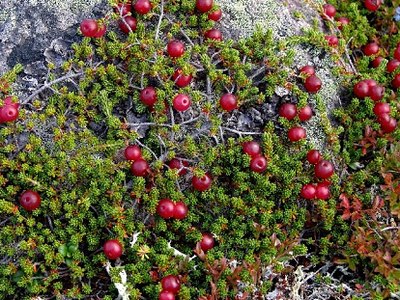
[(357, 205), (378, 203), (346, 214), (345, 201), (356, 216), (387, 257), (387, 177), (362, 249)]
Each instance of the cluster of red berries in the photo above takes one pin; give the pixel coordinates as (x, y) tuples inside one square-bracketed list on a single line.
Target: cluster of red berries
[(140, 166), (370, 88), (312, 83), (323, 169), (258, 162), (170, 287), (205, 6), (93, 28), (329, 12), (167, 209), (9, 111)]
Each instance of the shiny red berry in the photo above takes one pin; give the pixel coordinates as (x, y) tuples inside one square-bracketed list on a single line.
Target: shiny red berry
[(142, 6), (204, 5), (166, 295), (228, 102), (376, 62), (322, 191), (171, 283), (343, 21), (175, 48), (308, 191), (392, 65), (213, 34), (140, 167), (148, 96), (181, 80), (128, 24), (30, 200), (396, 81), (329, 10), (313, 156), (101, 31), (179, 165), (112, 249), (372, 5), (180, 210), (312, 84), (215, 15), (305, 113), (296, 134), (258, 164), (123, 9), (381, 108), (89, 27), (201, 183), (288, 111), (207, 242), (251, 148), (324, 169), (8, 113), (133, 152), (371, 49), (165, 208), (307, 70), (377, 92), (332, 40), (388, 123), (396, 53), (361, 89), (181, 102)]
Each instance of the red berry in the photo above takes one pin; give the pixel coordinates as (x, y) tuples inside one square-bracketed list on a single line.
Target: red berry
[(101, 31), (204, 5), (308, 191), (178, 164), (396, 81), (251, 148), (322, 191), (148, 96), (343, 21), (324, 169), (180, 210), (258, 164), (181, 80), (296, 134), (361, 89), (307, 70), (166, 295), (332, 40), (133, 152), (377, 92), (201, 183), (129, 24), (207, 242), (215, 15), (288, 111), (388, 124), (376, 62), (312, 84), (123, 9), (171, 283), (381, 108), (165, 208), (8, 113), (89, 27), (329, 10), (175, 48), (371, 83), (313, 156), (213, 34), (30, 200), (112, 249), (181, 102), (371, 49), (392, 65), (396, 53), (305, 113), (142, 6), (372, 5), (228, 102), (140, 167)]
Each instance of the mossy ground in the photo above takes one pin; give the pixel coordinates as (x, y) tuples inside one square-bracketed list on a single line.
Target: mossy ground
[(68, 146)]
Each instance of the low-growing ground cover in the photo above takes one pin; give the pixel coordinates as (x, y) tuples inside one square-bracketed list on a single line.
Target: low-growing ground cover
[(126, 175)]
